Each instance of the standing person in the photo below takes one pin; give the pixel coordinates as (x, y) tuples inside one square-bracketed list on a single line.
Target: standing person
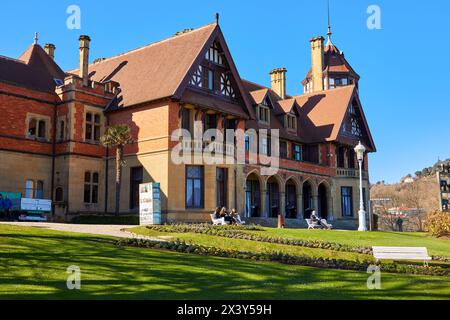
[(7, 206), (400, 224)]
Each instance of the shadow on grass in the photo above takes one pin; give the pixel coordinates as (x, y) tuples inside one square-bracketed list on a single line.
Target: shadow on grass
[(35, 268)]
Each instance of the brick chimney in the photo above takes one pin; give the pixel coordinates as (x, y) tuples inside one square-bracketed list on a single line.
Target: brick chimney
[(317, 63), (278, 81), (84, 59), (50, 50)]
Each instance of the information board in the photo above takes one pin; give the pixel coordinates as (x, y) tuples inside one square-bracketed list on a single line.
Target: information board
[(150, 204)]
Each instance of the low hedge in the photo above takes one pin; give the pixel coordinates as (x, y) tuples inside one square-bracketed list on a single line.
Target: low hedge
[(106, 220), (183, 247), (235, 232)]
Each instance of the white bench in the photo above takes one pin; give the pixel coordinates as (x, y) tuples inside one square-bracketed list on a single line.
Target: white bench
[(217, 222), (401, 253), (312, 225)]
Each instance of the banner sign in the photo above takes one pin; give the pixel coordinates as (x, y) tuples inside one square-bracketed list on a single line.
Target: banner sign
[(36, 205), (149, 204)]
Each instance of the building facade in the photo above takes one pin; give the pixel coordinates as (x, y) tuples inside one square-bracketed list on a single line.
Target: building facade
[(50, 146)]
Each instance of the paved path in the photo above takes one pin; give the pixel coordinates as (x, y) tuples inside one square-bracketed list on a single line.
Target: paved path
[(105, 230)]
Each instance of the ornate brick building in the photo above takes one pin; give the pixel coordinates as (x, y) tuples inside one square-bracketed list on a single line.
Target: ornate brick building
[(49, 145)]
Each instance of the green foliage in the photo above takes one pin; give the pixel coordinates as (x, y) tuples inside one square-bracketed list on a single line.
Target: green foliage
[(116, 136), (438, 224)]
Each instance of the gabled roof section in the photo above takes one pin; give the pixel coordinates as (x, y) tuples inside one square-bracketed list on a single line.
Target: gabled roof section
[(258, 96), (155, 71), (34, 69), (289, 105), (217, 36), (322, 115), (334, 62)]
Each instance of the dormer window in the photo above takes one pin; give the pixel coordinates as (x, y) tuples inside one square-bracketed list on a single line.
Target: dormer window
[(290, 122), (338, 82), (263, 110)]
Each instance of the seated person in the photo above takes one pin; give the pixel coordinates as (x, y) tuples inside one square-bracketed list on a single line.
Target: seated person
[(235, 216), (315, 219), (217, 213), (224, 214)]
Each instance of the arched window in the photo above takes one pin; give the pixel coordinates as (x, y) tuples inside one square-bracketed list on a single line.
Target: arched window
[(39, 190), (29, 189)]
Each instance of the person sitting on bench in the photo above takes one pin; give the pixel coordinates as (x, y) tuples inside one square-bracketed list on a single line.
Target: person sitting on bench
[(315, 219), (224, 214)]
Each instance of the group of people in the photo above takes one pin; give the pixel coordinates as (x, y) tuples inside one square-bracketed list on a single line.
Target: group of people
[(5, 207), (231, 217)]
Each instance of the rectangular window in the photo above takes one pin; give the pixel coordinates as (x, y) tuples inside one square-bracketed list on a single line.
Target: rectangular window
[(264, 146), (62, 130), (291, 122), (351, 158), (185, 119), (247, 143), (211, 80), (91, 181), (221, 187), (42, 133), (311, 153), (136, 179), (340, 154), (93, 123), (297, 152), (283, 149), (347, 201), (194, 187), (29, 189), (210, 121), (263, 114)]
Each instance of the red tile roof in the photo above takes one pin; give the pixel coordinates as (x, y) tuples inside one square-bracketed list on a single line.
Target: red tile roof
[(34, 69), (155, 71)]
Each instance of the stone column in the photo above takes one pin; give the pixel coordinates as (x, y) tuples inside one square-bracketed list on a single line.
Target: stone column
[(264, 209), (300, 206), (283, 203)]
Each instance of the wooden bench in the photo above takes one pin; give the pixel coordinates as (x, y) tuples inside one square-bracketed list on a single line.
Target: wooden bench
[(401, 253)]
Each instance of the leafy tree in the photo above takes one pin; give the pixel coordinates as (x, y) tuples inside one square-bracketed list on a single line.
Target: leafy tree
[(117, 136)]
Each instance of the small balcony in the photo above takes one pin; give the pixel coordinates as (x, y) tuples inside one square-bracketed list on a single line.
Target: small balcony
[(198, 146), (351, 173)]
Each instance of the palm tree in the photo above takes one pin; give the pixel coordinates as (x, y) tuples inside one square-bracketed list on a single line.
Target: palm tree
[(117, 136)]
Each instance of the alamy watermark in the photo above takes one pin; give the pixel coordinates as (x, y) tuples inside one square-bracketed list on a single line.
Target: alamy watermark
[(374, 280), (374, 19), (74, 278), (73, 22)]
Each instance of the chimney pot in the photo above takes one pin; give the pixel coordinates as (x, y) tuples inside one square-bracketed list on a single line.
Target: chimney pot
[(84, 59), (278, 81), (50, 48), (317, 52)]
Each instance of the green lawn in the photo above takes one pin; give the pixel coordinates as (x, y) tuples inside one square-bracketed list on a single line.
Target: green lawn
[(248, 245), (33, 263), (367, 239)]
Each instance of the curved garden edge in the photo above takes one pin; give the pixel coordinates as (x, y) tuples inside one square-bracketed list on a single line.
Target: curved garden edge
[(236, 232), (183, 247)]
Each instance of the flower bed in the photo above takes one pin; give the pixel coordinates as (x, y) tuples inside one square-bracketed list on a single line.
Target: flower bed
[(236, 232), (183, 247)]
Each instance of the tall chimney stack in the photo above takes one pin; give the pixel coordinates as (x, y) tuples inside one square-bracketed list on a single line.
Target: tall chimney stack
[(84, 59), (50, 50), (278, 81), (317, 52)]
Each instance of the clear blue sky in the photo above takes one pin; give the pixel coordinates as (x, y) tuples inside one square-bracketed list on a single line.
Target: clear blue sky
[(404, 66)]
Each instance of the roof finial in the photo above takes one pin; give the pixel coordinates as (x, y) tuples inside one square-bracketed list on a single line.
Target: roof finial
[(36, 38), (329, 33), (217, 18)]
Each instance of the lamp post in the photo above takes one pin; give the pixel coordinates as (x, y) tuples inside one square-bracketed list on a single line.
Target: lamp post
[(360, 150)]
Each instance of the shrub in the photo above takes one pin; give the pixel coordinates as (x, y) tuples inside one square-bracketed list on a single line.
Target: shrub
[(438, 224)]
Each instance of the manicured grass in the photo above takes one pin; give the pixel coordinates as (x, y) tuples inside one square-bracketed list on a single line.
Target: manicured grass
[(439, 247), (248, 245), (33, 263)]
